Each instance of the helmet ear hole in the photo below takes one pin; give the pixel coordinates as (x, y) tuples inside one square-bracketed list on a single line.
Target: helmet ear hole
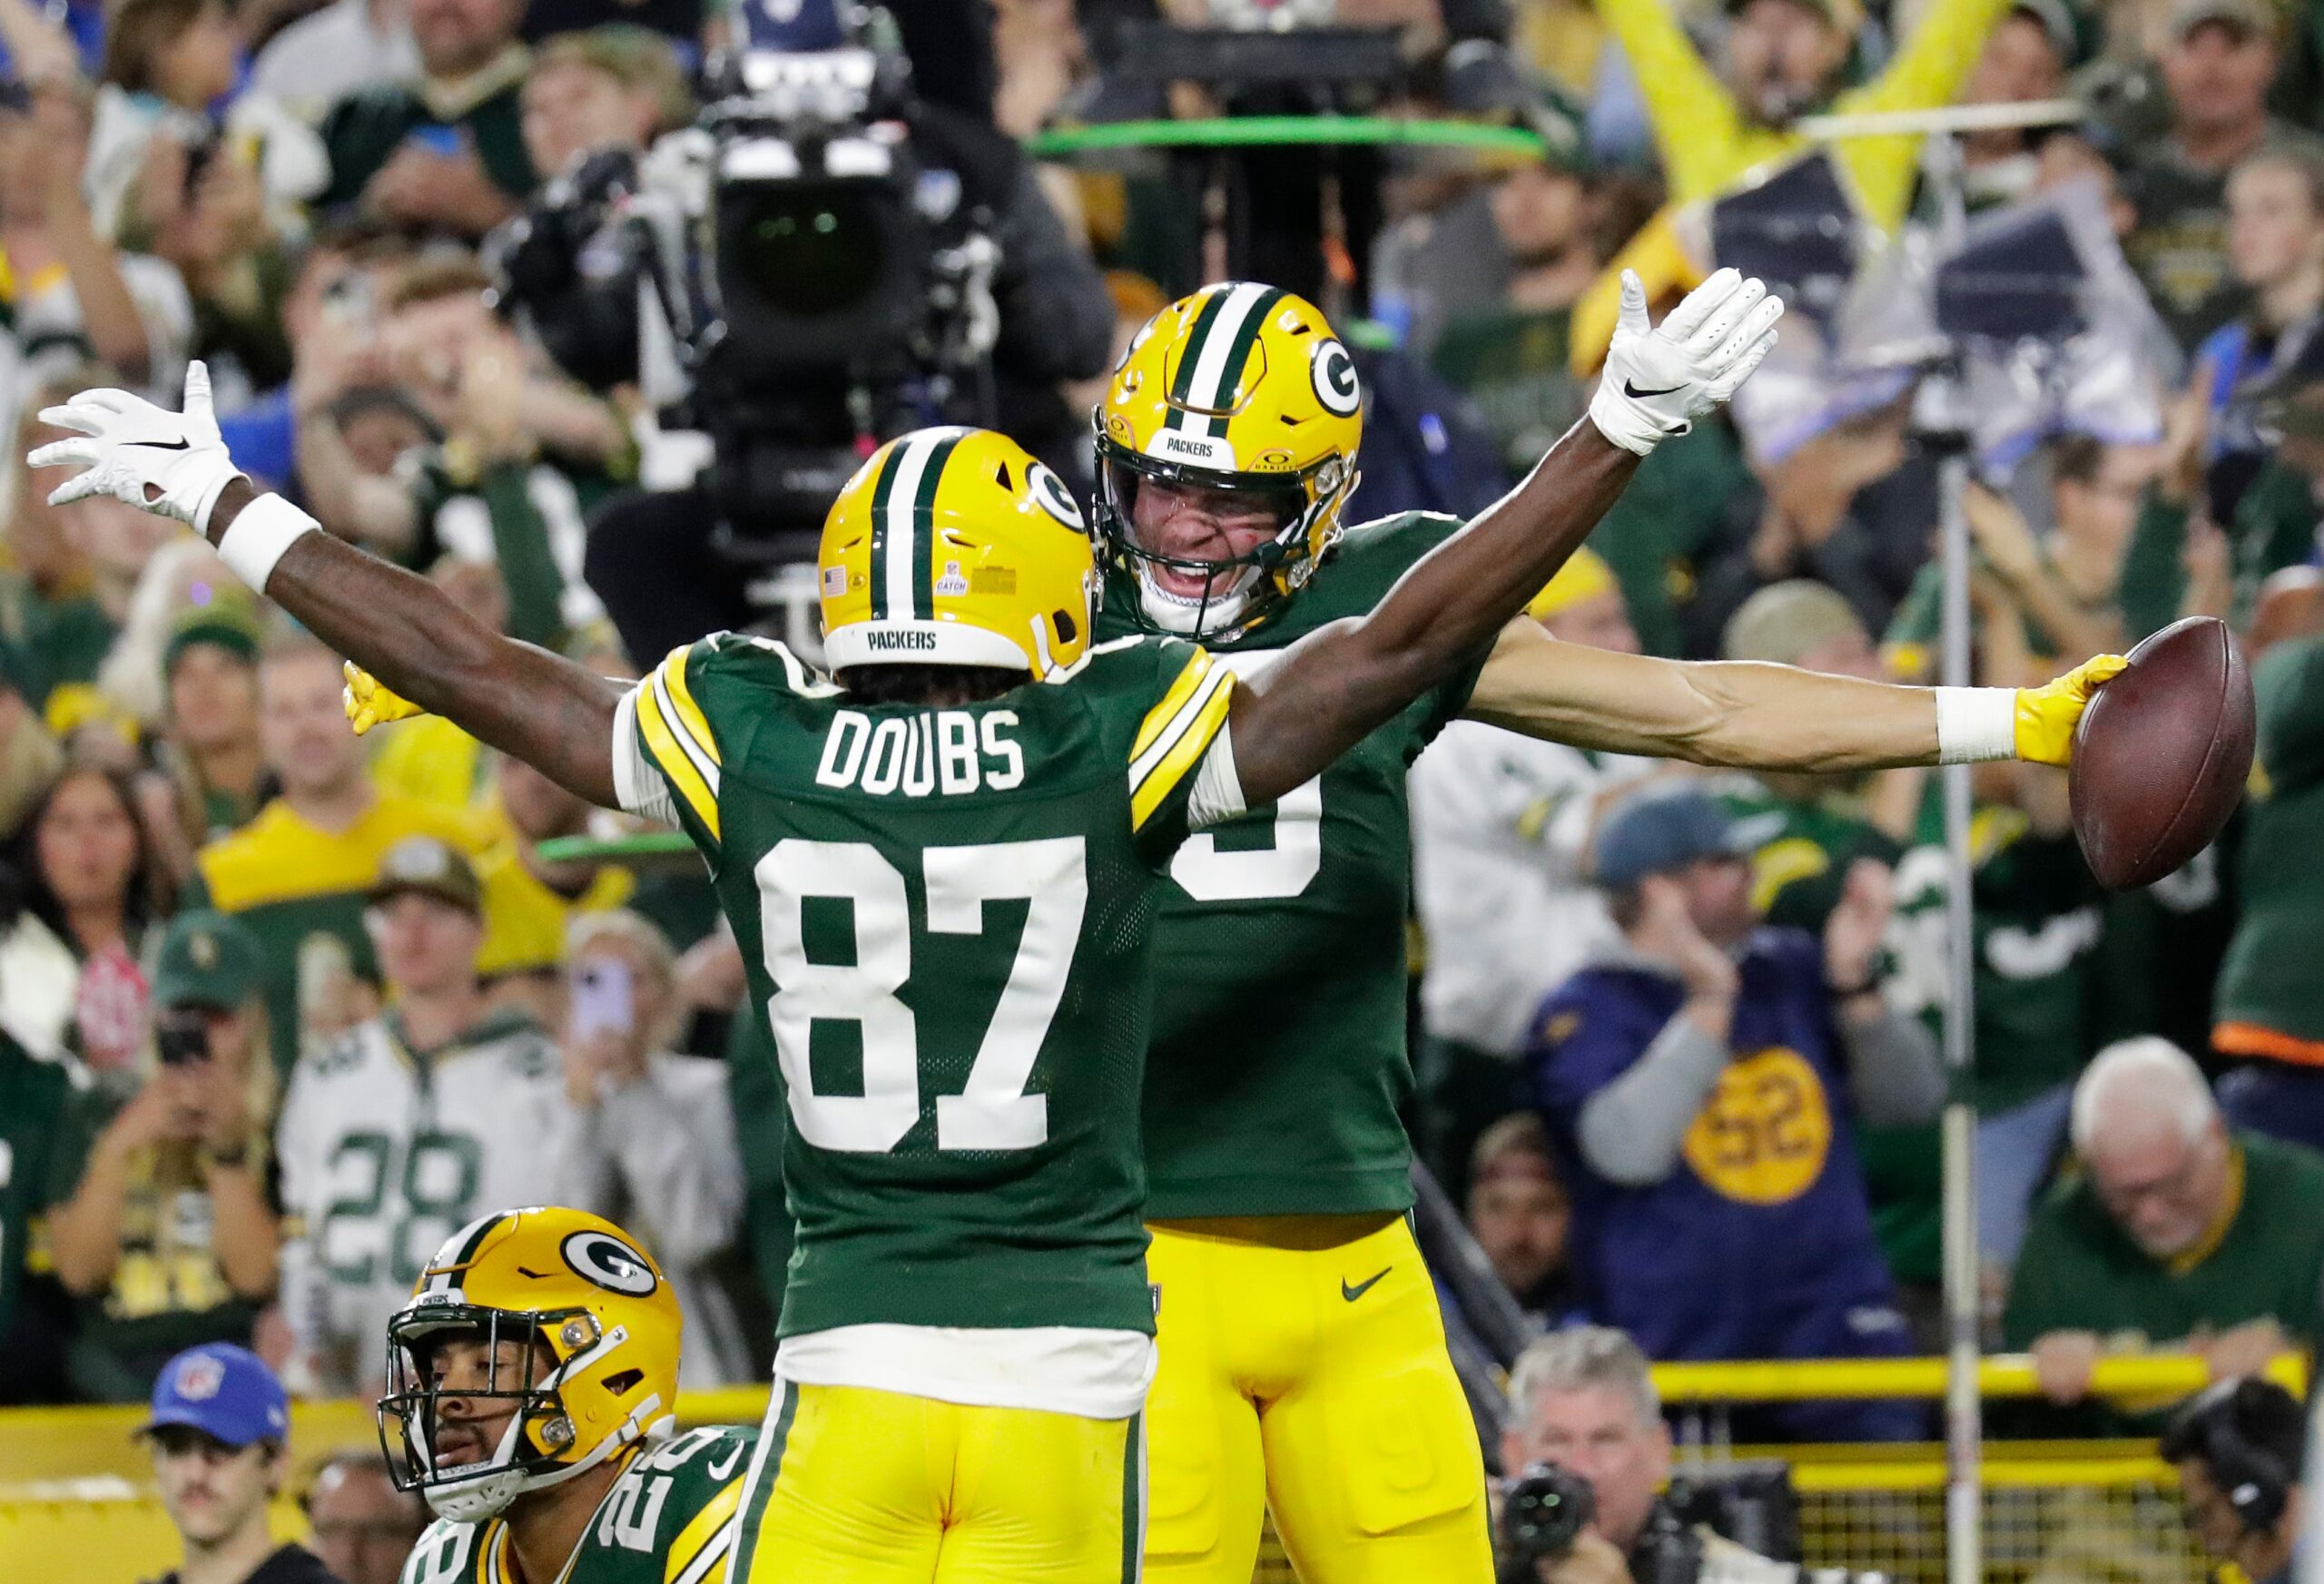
[(1068, 629), (623, 1383)]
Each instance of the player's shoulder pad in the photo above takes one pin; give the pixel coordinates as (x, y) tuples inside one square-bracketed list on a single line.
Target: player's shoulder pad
[(1125, 661), (761, 662), (1366, 564)]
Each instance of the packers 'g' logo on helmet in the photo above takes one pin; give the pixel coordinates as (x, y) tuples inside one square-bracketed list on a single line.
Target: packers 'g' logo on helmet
[(954, 547), (1242, 390), (538, 1343)]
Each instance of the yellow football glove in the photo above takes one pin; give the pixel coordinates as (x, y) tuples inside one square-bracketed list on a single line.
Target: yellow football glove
[(372, 702), (2047, 716)]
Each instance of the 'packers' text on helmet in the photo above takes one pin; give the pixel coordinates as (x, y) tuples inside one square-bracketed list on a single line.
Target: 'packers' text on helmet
[(554, 1320), (954, 547), (1243, 390)]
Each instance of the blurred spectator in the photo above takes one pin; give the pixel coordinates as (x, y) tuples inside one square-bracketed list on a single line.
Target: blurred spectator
[(1701, 1081), (528, 902), (1818, 513), (442, 151), (1519, 1214), (333, 52), (1500, 823), (361, 1527), (161, 1227), (1511, 359), (1806, 832), (2270, 1002), (2238, 1448), (657, 1129), (297, 874), (77, 297), (1583, 1401), (415, 1122), (2216, 70), (2025, 62), (90, 885), (612, 87), (1782, 59), (34, 1095), (2177, 1234), (219, 1433), (524, 454), (210, 741)]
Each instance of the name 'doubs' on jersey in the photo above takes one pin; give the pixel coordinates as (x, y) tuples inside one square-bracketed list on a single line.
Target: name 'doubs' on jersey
[(946, 752)]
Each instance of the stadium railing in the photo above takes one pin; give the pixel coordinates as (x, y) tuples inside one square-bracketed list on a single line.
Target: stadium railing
[(76, 1498)]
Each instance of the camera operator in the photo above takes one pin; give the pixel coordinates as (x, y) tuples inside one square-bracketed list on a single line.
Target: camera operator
[(2237, 1447), (1587, 1453), (666, 563)]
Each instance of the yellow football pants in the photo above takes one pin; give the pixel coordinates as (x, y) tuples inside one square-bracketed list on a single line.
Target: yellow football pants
[(852, 1486), (1303, 1366)]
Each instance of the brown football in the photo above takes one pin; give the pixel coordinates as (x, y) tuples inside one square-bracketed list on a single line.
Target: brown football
[(2162, 754)]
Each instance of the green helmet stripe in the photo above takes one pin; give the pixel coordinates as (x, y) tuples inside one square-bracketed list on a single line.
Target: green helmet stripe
[(880, 489), (923, 511), (1190, 355)]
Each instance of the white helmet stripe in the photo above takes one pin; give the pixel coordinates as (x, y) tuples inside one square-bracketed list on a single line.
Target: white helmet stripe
[(902, 550), (1218, 343)]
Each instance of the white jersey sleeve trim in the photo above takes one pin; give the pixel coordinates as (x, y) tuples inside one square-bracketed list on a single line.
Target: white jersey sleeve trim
[(637, 784), (1218, 794)]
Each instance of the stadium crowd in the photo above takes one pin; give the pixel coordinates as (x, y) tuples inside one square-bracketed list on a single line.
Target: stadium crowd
[(281, 1008)]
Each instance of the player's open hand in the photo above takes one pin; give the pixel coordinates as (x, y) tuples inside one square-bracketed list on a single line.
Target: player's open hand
[(369, 703), (2047, 714), (1659, 378), (171, 464)]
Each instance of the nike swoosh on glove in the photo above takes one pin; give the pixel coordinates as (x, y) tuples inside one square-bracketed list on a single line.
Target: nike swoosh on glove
[(1659, 378), (369, 703), (171, 464)]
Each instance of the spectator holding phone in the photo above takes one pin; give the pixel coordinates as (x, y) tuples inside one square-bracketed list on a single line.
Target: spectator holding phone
[(657, 1142), (163, 1231), (443, 151)]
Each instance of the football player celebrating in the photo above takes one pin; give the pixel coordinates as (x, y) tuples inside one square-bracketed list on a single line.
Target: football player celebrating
[(532, 1388), (1303, 1361), (942, 869)]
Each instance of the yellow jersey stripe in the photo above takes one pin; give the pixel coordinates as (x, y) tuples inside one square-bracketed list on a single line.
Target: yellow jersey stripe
[(689, 718), (1172, 702), (1177, 754), (662, 746), (703, 1528)]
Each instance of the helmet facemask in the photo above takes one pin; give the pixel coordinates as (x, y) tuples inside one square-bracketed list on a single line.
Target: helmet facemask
[(535, 1450), (1237, 592)]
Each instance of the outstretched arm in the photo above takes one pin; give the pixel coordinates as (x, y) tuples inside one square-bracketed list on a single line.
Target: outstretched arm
[(1749, 717), (1342, 681), (529, 704)]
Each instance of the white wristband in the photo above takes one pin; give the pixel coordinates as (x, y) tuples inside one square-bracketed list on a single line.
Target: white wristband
[(1974, 724), (256, 539)]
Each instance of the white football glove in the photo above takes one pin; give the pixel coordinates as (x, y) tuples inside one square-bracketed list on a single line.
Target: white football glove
[(1659, 378), (173, 464)]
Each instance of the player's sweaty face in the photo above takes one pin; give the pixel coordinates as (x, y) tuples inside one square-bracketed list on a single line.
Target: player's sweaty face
[(1188, 523), (470, 1375)]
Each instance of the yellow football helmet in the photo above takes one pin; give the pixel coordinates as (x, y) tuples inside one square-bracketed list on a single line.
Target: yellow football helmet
[(955, 547), (561, 1283), (1238, 388)]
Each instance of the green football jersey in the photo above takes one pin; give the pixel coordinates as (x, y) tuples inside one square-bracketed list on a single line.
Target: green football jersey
[(1278, 1065), (668, 1519), (946, 915)]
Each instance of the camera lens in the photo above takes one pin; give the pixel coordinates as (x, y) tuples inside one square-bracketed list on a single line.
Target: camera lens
[(808, 248)]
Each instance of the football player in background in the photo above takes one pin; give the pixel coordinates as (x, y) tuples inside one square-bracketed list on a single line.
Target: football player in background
[(1304, 1363), (532, 1393), (966, 1340)]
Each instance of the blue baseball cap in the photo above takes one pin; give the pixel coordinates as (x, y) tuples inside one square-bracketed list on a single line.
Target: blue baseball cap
[(225, 1392), (1659, 832)]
